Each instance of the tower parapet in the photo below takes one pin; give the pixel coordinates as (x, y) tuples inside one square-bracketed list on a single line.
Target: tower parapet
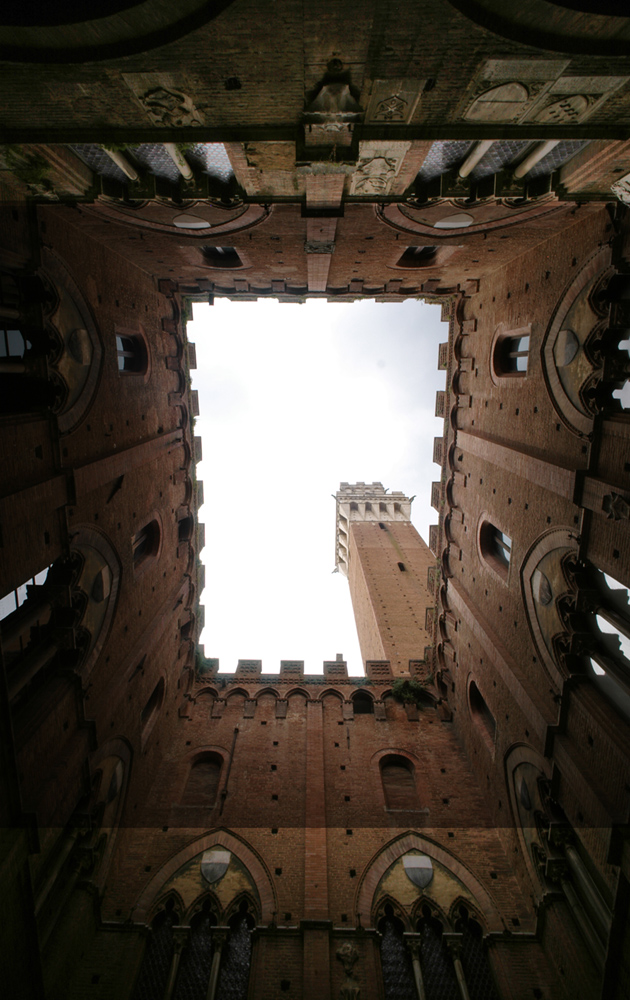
[(365, 502)]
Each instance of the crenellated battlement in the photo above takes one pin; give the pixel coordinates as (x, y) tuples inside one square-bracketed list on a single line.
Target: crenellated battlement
[(377, 671)]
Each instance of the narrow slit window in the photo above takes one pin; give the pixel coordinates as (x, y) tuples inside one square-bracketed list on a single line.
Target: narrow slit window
[(496, 548)]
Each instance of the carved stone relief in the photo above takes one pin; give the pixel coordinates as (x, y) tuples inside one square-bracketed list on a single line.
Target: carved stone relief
[(378, 165), (394, 100), (164, 100), (516, 91)]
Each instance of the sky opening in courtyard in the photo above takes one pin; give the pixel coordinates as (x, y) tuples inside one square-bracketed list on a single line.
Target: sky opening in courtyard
[(295, 398)]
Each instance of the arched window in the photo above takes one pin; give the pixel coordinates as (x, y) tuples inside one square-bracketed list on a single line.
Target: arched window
[(185, 528), (236, 956), (158, 955), (495, 548), (202, 785), (146, 544), (196, 962), (363, 704), (150, 712), (481, 714), (437, 965), (474, 959), (398, 978), (399, 786), (511, 353), (132, 354), (418, 257), (221, 257)]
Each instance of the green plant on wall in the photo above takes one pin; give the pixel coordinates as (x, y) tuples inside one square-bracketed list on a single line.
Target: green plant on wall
[(411, 691)]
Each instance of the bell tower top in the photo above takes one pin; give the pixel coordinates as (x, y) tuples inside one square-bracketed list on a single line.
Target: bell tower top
[(365, 502)]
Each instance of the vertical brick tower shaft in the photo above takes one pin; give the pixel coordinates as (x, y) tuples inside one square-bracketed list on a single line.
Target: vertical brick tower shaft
[(386, 562)]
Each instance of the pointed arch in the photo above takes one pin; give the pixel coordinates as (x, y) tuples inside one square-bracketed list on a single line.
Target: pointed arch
[(246, 854), (412, 841)]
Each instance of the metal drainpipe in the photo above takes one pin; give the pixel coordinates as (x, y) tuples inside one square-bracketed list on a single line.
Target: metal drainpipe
[(476, 154), (224, 790), (535, 157)]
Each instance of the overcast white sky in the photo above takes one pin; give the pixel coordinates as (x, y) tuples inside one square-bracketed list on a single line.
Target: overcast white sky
[(294, 399)]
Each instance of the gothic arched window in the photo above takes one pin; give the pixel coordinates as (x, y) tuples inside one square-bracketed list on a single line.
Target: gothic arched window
[(398, 977), (474, 959), (236, 956), (158, 955)]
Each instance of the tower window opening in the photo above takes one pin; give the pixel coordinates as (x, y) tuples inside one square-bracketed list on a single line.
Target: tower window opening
[(354, 505), (363, 704), (368, 507), (132, 354), (203, 781), (481, 715), (399, 786), (401, 567), (226, 257), (150, 712), (418, 257), (511, 354), (495, 548), (382, 526), (146, 544)]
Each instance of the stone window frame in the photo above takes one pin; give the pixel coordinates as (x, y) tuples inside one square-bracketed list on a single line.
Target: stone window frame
[(481, 714), (142, 354), (501, 341), (154, 541), (488, 540)]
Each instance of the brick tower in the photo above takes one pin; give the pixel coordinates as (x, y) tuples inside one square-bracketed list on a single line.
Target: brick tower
[(386, 562)]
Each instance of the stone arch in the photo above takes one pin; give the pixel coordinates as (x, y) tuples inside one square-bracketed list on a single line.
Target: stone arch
[(267, 691), (122, 30), (412, 841), (119, 748), (559, 26), (72, 320), (198, 904), (237, 692), (251, 859), (161, 903), (293, 692), (327, 692), (517, 754), (557, 538), (569, 377), (235, 906), (87, 540), (399, 913), (437, 913)]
